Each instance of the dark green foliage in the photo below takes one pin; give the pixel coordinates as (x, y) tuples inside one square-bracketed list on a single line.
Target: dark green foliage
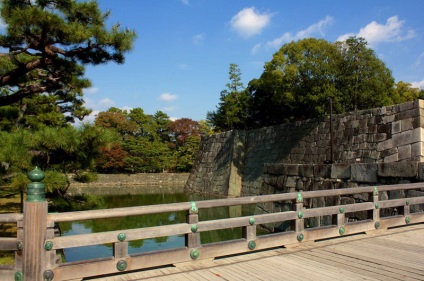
[(299, 81), (48, 44), (232, 111)]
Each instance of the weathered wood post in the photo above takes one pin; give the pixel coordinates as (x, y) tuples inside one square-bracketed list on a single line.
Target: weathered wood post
[(376, 210), (299, 224), (34, 229), (192, 240)]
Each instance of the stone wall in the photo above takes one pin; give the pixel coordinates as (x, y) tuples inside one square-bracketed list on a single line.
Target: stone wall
[(131, 183), (232, 162), (284, 178)]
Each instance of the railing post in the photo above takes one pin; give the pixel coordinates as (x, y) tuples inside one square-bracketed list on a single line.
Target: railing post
[(193, 239), (299, 224), (19, 246), (376, 210), (34, 228), (120, 249)]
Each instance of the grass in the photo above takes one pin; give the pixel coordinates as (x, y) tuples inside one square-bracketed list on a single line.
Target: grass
[(9, 203)]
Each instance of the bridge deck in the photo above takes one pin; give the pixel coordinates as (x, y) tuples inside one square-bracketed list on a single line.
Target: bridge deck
[(395, 254)]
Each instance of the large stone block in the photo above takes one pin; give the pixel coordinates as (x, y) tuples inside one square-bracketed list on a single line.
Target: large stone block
[(396, 127), (398, 169), (404, 152), (391, 158), (406, 106), (340, 171), (322, 171), (407, 124), (408, 137), (387, 144), (421, 171), (364, 172), (291, 169), (306, 170)]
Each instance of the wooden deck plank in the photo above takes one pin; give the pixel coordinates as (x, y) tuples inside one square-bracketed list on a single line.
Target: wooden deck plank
[(358, 266), (392, 255), (389, 255), (327, 272)]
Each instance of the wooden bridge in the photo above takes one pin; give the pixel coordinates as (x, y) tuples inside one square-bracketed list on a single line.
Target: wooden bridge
[(35, 245)]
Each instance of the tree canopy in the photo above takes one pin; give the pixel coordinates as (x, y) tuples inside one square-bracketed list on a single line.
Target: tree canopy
[(303, 75), (299, 81), (49, 43), (232, 111)]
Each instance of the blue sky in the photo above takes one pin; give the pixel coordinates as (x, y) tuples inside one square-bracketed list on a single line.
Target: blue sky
[(181, 57)]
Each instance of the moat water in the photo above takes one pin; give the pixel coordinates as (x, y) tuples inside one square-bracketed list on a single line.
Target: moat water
[(131, 222)]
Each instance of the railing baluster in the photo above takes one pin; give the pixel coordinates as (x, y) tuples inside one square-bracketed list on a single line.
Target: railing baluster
[(193, 239), (18, 253), (120, 250), (376, 210), (299, 224)]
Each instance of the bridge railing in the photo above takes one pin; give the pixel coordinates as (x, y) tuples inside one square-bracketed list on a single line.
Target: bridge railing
[(38, 261)]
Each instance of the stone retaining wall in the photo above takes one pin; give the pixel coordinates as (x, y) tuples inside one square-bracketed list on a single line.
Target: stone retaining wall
[(126, 183), (284, 178), (232, 162)]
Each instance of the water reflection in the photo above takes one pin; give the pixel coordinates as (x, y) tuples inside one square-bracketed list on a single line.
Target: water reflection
[(146, 245)]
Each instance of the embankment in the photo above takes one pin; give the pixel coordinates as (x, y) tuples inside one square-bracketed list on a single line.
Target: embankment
[(132, 183)]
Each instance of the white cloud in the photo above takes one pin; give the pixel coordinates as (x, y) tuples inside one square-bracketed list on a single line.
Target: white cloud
[(419, 84), (374, 33), (106, 102), (256, 48), (199, 38), (168, 109), (249, 22), (314, 29), (419, 60), (183, 66), (185, 2), (167, 97), (91, 90)]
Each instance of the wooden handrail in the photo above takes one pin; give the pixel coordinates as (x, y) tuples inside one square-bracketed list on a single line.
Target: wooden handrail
[(11, 218), (192, 228)]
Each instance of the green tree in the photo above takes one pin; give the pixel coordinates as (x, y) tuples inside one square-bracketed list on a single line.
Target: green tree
[(232, 111), (186, 134), (49, 43), (363, 79), (301, 77), (404, 92), (146, 156), (118, 120)]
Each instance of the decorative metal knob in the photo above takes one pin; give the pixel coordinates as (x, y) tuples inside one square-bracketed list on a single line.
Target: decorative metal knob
[(300, 237), (121, 265), (122, 237), (194, 228), (342, 230), (252, 221), (48, 245), (194, 207), (299, 197), (194, 254), (18, 276), (19, 246), (300, 215), (251, 245), (48, 275), (35, 189)]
